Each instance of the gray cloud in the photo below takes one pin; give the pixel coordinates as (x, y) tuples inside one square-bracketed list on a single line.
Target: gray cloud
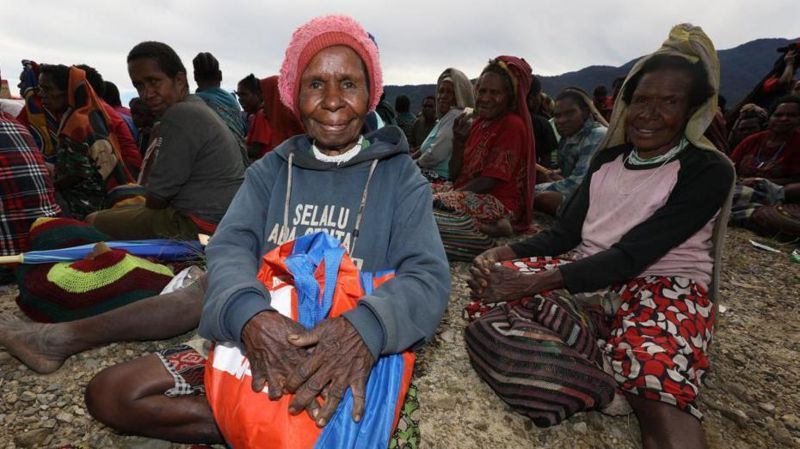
[(417, 38)]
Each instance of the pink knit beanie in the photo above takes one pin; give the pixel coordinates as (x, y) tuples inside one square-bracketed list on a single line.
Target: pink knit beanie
[(319, 34)]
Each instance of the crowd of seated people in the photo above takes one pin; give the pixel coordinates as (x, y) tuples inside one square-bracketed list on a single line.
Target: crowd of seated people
[(319, 147)]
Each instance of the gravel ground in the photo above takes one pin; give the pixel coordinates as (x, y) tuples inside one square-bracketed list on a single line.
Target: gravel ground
[(751, 399)]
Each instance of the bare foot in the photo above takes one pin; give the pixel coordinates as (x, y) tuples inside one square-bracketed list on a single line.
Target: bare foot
[(500, 229), (39, 346)]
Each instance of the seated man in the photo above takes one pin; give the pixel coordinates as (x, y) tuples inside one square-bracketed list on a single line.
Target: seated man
[(27, 191), (194, 164)]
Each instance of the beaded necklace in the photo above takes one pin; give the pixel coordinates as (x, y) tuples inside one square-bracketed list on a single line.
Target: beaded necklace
[(636, 160), (762, 163)]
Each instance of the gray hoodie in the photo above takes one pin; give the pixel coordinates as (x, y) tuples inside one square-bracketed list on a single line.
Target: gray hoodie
[(396, 232)]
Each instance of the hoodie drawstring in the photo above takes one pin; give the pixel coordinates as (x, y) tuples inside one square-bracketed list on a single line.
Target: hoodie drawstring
[(361, 206), (288, 197)]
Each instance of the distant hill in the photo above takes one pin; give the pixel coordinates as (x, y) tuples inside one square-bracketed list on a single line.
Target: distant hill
[(742, 67)]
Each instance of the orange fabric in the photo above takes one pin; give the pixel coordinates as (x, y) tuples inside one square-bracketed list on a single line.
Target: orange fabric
[(77, 125), (231, 397)]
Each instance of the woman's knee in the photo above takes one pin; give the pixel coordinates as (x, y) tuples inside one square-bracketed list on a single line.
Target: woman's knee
[(107, 395), (111, 396)]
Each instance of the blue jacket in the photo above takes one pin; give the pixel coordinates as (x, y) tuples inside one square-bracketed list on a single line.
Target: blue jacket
[(397, 232)]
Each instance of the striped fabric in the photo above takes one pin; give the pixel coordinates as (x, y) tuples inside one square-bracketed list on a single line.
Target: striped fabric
[(531, 369), (462, 240), (540, 355)]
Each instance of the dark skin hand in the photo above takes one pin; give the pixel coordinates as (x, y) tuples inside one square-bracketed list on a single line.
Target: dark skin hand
[(340, 360), (492, 283), (481, 265), (461, 128), (272, 358)]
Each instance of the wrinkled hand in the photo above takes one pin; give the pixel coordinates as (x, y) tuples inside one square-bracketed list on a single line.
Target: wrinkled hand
[(340, 360), (481, 265), (272, 358), (505, 284)]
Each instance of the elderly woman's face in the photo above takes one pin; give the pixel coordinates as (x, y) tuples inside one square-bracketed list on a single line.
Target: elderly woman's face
[(334, 98), (785, 118), (492, 98), (658, 111)]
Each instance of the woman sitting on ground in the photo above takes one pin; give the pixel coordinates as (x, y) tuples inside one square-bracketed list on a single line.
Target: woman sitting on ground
[(453, 95), (581, 127), (88, 157), (645, 243), (768, 164), (331, 80), (493, 155)]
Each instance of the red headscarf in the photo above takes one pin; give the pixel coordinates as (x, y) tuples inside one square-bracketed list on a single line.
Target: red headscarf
[(283, 122), (521, 76)]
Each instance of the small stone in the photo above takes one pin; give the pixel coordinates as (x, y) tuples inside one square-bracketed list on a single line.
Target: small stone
[(65, 417), (28, 396), (449, 336), (10, 398), (91, 365), (49, 424), (767, 407), (52, 388), (791, 421), (29, 412), (784, 437), (581, 427), (33, 439), (738, 390), (735, 415)]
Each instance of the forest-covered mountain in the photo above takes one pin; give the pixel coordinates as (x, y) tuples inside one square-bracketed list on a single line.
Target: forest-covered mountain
[(742, 67)]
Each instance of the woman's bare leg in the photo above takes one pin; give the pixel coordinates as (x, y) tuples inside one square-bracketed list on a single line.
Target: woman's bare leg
[(45, 347), (129, 397)]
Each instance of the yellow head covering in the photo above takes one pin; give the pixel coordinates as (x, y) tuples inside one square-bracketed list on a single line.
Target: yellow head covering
[(690, 42)]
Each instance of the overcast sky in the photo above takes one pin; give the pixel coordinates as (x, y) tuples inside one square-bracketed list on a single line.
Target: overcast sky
[(417, 38)]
